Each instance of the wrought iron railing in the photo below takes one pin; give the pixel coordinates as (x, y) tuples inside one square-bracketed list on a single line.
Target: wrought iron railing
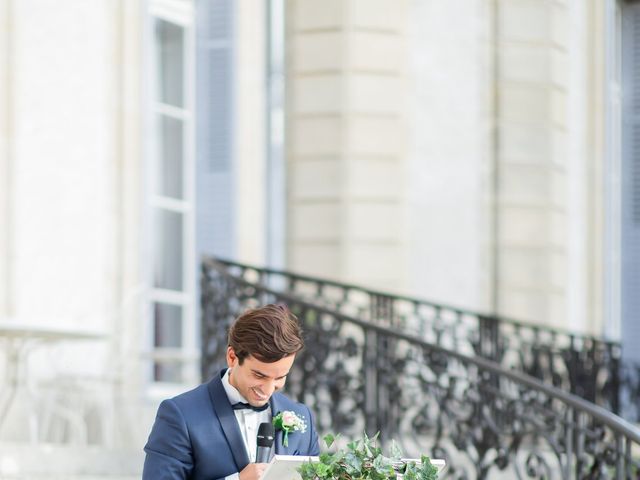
[(486, 420), (585, 365)]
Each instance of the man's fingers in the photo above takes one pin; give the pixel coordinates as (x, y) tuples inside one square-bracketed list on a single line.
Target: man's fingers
[(253, 471)]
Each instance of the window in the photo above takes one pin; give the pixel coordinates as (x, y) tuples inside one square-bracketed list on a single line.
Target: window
[(612, 254), (171, 339), (630, 181), (216, 90)]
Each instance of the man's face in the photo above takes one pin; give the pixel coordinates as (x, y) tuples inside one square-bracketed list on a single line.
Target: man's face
[(255, 380)]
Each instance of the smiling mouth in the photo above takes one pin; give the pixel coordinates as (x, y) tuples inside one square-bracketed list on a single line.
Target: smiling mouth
[(259, 395)]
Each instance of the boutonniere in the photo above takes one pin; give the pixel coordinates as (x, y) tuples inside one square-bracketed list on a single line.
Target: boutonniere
[(289, 421)]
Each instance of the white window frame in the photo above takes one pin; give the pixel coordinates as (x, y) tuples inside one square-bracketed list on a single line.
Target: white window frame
[(182, 14)]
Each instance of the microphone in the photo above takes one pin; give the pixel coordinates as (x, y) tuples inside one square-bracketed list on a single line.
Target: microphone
[(266, 433)]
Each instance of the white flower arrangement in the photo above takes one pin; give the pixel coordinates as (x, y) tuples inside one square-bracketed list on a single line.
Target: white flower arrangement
[(288, 422)]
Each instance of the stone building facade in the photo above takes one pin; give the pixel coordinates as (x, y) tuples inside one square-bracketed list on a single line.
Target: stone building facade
[(478, 153)]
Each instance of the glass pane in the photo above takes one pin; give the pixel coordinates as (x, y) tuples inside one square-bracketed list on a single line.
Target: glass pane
[(169, 170), (167, 325), (168, 254), (170, 62), (167, 372)]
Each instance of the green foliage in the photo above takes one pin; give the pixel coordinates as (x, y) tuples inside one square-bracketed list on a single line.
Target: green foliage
[(364, 460)]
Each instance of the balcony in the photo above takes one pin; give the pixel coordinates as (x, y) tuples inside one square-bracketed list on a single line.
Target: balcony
[(491, 396)]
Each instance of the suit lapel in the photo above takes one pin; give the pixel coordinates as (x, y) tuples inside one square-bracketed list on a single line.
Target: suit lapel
[(275, 409), (227, 418)]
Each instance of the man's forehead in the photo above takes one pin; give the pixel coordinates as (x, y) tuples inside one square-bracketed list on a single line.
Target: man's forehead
[(276, 369)]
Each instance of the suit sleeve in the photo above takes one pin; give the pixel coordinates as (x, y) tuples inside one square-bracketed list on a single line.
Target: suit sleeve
[(314, 448), (169, 455)]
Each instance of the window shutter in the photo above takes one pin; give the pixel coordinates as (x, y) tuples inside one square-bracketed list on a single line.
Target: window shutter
[(214, 135), (630, 181)]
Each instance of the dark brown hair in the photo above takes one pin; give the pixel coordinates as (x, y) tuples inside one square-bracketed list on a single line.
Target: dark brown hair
[(268, 333)]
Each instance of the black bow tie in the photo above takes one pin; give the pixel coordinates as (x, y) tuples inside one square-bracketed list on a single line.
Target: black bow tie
[(243, 406)]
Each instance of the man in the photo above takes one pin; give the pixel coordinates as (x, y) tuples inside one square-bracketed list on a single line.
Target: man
[(210, 432)]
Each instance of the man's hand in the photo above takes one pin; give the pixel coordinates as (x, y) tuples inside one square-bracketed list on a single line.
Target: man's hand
[(253, 471)]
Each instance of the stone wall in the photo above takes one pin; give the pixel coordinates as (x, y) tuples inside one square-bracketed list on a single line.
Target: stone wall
[(346, 127)]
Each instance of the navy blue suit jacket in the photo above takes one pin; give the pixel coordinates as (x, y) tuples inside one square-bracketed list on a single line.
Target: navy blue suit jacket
[(196, 436)]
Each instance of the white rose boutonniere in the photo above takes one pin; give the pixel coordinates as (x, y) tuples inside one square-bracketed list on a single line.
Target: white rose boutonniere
[(288, 422)]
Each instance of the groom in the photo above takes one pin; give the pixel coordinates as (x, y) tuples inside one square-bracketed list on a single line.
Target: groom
[(209, 433)]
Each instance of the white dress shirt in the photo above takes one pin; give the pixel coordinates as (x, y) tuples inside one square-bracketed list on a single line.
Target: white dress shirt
[(248, 420)]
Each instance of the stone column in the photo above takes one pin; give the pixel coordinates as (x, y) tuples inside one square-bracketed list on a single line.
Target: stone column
[(346, 134), (249, 128), (532, 155)]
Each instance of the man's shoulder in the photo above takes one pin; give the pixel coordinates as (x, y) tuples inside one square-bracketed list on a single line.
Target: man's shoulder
[(286, 403), (191, 406), (195, 395)]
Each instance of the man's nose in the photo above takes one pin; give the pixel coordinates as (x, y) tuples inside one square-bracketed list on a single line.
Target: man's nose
[(269, 387)]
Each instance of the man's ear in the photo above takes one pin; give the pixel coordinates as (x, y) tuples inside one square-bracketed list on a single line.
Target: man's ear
[(232, 359)]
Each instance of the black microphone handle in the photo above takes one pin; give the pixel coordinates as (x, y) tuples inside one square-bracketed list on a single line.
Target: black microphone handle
[(263, 454)]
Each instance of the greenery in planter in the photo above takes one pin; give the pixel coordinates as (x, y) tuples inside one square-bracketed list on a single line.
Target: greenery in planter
[(363, 460)]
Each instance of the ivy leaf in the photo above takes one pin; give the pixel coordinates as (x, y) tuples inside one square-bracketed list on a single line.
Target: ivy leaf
[(323, 470), (353, 463), (396, 452), (329, 439), (337, 457), (326, 457)]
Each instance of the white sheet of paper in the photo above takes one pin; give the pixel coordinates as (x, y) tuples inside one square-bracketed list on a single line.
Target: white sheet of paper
[(284, 467)]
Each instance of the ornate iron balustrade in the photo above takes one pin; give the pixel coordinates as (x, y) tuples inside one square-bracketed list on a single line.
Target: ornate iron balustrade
[(581, 364), (487, 421)]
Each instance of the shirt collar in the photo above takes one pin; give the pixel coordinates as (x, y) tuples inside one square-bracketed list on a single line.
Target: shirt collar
[(232, 392)]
